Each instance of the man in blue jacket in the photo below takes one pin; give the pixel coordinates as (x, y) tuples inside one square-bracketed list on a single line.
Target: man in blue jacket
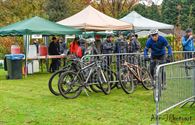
[(157, 44), (188, 47), (188, 43)]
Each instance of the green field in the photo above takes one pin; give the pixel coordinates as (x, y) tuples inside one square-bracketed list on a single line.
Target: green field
[(28, 101)]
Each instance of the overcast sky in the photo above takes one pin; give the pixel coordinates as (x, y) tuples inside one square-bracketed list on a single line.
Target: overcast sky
[(158, 2)]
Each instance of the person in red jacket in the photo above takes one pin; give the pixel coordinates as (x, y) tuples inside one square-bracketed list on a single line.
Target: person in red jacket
[(75, 48)]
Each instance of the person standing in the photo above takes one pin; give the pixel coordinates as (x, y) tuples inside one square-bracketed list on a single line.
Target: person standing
[(107, 47), (121, 46), (188, 44), (188, 48), (36, 43), (62, 46), (54, 50), (134, 45), (75, 48)]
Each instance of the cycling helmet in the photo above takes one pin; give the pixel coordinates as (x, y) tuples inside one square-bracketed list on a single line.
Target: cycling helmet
[(153, 31)]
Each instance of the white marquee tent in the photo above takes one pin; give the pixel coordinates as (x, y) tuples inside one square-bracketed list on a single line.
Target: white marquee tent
[(92, 19), (141, 23)]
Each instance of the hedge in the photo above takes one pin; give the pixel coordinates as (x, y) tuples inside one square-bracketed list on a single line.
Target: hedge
[(142, 40)]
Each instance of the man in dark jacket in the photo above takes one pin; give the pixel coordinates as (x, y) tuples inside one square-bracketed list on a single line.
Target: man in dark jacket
[(54, 50), (107, 47), (62, 46), (134, 45), (121, 46)]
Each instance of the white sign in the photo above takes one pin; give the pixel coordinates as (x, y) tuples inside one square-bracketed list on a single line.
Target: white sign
[(70, 36), (36, 36)]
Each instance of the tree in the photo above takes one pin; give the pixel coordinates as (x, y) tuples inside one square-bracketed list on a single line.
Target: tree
[(60, 9), (55, 9), (16, 10), (115, 8), (179, 12), (152, 12)]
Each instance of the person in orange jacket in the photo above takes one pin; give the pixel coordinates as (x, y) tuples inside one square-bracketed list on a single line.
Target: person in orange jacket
[(75, 48)]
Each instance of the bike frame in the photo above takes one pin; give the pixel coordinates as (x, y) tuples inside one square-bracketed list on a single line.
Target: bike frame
[(135, 70), (93, 67)]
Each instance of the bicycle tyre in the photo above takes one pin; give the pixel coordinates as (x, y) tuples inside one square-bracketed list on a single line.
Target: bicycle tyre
[(105, 85), (146, 79), (51, 82), (126, 78), (73, 82)]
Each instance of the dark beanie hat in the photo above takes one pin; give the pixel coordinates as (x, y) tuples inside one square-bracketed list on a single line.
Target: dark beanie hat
[(188, 30)]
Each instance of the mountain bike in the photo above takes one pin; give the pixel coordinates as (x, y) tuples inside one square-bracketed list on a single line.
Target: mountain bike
[(130, 73), (72, 83), (53, 80)]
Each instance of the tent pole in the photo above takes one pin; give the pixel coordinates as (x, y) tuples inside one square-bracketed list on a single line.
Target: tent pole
[(26, 42), (24, 38), (47, 60), (133, 30)]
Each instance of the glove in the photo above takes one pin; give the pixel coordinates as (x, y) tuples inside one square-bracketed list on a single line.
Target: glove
[(169, 58), (146, 58)]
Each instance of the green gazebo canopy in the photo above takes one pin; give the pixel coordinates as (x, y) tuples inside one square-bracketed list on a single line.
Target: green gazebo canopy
[(37, 25)]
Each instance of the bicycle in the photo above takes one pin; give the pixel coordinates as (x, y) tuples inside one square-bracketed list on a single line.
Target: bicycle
[(78, 81), (53, 81), (130, 73)]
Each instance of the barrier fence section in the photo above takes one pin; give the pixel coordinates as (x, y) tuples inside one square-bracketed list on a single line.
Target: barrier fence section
[(178, 79), (177, 85), (113, 61), (181, 55)]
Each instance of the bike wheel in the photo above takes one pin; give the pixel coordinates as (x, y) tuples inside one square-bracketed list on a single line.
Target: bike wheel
[(95, 84), (126, 80), (69, 85), (53, 82), (104, 83), (146, 79), (112, 78)]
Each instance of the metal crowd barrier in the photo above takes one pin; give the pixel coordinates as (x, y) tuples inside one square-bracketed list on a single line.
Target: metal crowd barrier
[(178, 86), (181, 55), (113, 61), (179, 76)]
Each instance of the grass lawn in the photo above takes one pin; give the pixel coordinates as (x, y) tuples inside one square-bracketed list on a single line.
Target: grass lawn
[(29, 101)]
